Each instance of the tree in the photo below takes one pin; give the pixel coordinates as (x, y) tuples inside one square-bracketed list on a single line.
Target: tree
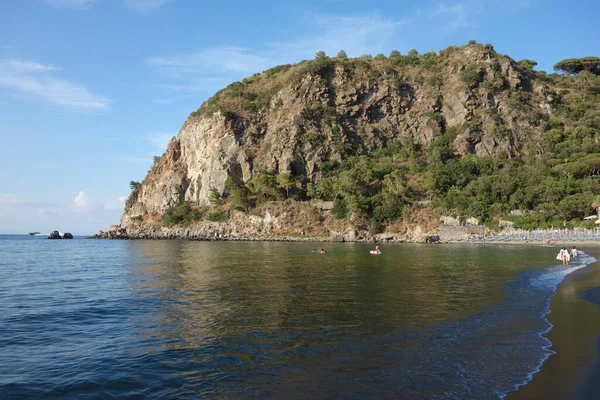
[(134, 185), (413, 53), (575, 169), (286, 182), (569, 66), (591, 64), (527, 64), (395, 53), (472, 41), (380, 57), (342, 54), (320, 55), (265, 187), (596, 205), (366, 57), (237, 194), (214, 196)]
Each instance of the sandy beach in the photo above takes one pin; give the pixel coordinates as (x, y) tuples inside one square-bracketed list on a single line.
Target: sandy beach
[(590, 387), (573, 371)]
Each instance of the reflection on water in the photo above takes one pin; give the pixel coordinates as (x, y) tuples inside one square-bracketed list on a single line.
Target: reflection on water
[(239, 306), (177, 319), (209, 290)]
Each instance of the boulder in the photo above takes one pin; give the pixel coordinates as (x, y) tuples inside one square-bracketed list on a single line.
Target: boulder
[(432, 239), (68, 235), (54, 235)]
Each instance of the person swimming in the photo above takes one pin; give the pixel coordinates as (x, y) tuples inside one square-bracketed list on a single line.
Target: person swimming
[(376, 251), (322, 251)]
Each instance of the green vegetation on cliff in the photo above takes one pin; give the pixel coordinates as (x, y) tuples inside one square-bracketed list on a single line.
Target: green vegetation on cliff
[(526, 140)]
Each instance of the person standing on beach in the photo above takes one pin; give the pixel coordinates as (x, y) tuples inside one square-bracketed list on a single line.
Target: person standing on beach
[(563, 255), (574, 252)]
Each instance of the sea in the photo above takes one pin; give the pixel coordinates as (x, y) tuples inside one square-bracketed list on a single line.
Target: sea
[(101, 319)]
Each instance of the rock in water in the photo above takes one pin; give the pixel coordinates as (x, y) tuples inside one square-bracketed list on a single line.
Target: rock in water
[(54, 235), (68, 235)]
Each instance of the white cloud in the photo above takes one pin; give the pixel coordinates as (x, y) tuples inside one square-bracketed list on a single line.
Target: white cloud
[(118, 204), (35, 79), (83, 202), (77, 4), (146, 6)]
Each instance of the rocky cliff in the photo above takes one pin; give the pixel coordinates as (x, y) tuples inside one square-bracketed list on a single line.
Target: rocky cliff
[(302, 119)]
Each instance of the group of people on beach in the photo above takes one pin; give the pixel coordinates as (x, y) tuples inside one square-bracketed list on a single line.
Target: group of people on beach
[(566, 256)]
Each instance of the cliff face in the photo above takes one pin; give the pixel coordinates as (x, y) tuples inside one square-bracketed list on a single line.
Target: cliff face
[(291, 119)]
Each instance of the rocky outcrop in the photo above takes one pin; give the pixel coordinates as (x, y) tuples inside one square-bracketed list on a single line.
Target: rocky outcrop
[(68, 235), (54, 235), (114, 232)]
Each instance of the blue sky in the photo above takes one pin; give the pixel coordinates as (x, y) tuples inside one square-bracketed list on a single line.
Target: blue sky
[(90, 90)]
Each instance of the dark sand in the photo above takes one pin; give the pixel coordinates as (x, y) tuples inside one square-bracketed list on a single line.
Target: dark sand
[(590, 388), (573, 372)]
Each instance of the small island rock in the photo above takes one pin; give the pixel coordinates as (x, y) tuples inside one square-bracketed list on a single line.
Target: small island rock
[(68, 235), (54, 235)]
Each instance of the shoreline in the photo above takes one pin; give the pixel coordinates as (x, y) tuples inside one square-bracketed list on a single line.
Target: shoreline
[(342, 239)]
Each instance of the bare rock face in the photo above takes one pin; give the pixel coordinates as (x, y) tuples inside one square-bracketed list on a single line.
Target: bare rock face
[(68, 235), (312, 117), (54, 235)]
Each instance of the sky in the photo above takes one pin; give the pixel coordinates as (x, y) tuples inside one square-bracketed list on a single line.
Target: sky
[(91, 90)]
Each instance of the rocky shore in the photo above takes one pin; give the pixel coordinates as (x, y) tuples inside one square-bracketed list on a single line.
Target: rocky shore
[(220, 233), (214, 231)]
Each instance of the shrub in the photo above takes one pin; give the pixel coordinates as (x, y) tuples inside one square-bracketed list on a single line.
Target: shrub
[(470, 76), (315, 139), (275, 70), (402, 61), (375, 227), (229, 115), (181, 213), (218, 216), (340, 208), (434, 115), (319, 66), (342, 54), (501, 131)]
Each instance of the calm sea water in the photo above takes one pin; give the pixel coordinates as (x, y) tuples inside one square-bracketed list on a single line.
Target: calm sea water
[(86, 319)]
